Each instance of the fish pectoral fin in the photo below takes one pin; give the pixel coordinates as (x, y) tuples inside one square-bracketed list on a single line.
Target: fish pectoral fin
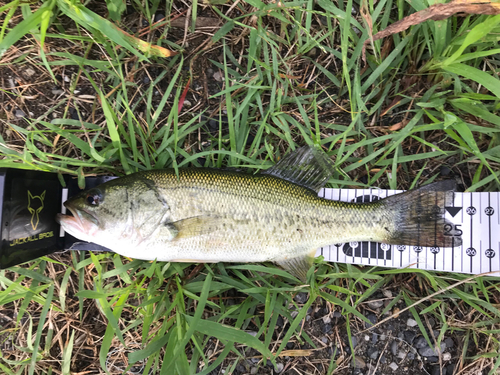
[(196, 226), (298, 266)]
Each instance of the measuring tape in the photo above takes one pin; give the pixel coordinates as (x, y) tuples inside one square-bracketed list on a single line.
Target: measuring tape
[(474, 215)]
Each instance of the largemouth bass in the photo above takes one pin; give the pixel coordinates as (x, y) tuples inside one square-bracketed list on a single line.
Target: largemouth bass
[(209, 215)]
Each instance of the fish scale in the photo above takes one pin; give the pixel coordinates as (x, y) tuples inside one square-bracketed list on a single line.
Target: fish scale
[(209, 215), (259, 213)]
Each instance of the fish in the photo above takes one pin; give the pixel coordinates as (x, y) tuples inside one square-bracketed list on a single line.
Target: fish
[(216, 215)]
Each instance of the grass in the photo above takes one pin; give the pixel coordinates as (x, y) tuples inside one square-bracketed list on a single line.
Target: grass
[(290, 73)]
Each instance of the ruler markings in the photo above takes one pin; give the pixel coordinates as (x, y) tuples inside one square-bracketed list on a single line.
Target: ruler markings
[(462, 245), (64, 197), (489, 212), (465, 211), (323, 191)]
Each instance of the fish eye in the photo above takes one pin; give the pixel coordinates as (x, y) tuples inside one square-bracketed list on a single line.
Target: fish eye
[(94, 198)]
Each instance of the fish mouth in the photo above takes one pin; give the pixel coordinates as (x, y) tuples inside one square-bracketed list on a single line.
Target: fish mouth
[(81, 225)]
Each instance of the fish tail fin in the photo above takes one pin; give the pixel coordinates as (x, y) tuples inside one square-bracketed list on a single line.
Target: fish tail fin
[(419, 216)]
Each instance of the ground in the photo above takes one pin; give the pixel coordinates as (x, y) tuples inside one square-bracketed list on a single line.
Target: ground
[(327, 337)]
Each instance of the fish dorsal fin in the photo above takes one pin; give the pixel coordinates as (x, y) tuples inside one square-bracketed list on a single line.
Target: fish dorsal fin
[(308, 166)]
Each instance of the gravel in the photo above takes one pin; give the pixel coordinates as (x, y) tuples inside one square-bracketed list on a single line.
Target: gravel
[(372, 318), (301, 298), (20, 113), (359, 362), (449, 343), (393, 366), (420, 342), (411, 323), (428, 351), (394, 348)]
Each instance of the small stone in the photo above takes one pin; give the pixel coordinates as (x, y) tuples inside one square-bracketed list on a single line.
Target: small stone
[(324, 340), (410, 356), (382, 337), (213, 125), (409, 336), (394, 347), (241, 368), (432, 323), (146, 80), (57, 92), (66, 78), (252, 333), (411, 322), (372, 318), (376, 304), (73, 113), (429, 352), (393, 366), (367, 338), (387, 293), (218, 76), (337, 314), (449, 342), (20, 113), (327, 328), (312, 52), (374, 338), (301, 298), (279, 367), (383, 360), (354, 341), (446, 356), (359, 362), (187, 103), (255, 360), (327, 319), (280, 322), (420, 342), (290, 345), (254, 370), (29, 72), (445, 171), (372, 352), (158, 17), (402, 354), (432, 359)]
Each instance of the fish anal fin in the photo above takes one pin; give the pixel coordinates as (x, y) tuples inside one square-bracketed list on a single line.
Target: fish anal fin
[(298, 266), (307, 166)]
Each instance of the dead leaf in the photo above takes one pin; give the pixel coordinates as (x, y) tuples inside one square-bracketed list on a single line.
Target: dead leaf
[(296, 353), (436, 12), (148, 48), (399, 125), (365, 13)]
